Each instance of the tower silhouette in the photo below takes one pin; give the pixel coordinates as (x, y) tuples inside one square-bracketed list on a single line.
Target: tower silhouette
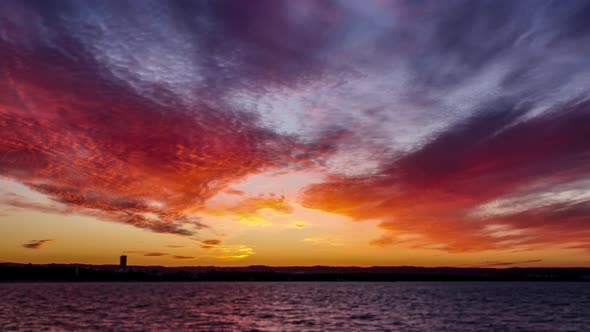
[(123, 262)]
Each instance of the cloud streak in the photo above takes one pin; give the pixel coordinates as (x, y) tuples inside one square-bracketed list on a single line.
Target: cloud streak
[(211, 243), (36, 244)]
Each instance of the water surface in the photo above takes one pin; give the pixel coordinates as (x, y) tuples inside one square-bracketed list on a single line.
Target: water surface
[(305, 306)]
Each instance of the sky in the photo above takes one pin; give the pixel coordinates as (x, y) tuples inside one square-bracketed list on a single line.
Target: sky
[(344, 132)]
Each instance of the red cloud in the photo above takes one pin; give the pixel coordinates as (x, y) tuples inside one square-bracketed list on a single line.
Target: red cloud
[(96, 147), (431, 193)]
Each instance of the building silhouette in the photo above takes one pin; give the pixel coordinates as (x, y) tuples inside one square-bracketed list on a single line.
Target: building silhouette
[(123, 262)]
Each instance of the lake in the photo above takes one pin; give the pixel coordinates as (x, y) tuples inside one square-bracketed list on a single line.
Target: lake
[(296, 306)]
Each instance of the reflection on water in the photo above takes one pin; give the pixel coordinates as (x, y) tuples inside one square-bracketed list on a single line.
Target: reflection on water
[(276, 306)]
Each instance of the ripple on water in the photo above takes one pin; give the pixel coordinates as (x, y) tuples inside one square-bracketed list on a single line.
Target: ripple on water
[(554, 307)]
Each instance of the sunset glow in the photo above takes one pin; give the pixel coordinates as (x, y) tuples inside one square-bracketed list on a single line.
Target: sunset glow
[(299, 132)]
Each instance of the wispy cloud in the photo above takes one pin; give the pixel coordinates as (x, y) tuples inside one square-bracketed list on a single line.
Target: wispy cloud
[(208, 244), (37, 244), (182, 257), (175, 225), (155, 254)]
